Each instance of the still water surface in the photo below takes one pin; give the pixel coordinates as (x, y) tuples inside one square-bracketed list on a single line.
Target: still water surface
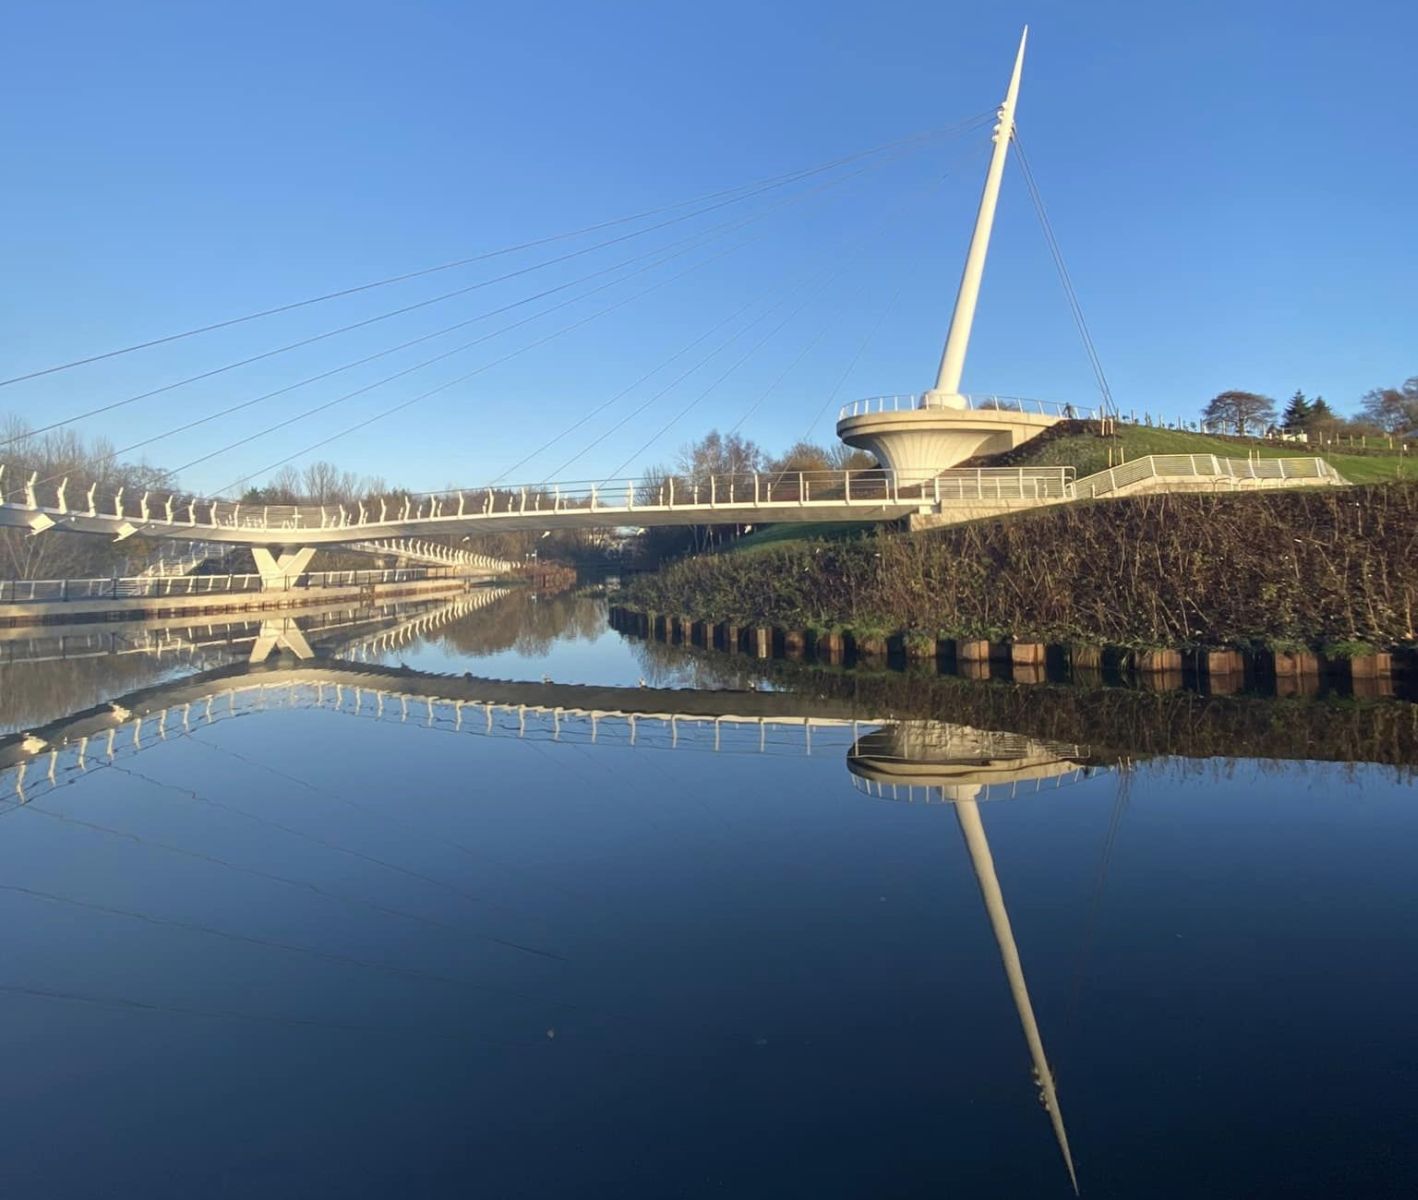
[(339, 929)]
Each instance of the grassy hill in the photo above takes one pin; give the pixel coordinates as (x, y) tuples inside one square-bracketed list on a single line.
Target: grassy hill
[(1074, 444), (1329, 568)]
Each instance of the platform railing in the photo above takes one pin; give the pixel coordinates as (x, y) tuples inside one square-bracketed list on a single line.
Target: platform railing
[(972, 402)]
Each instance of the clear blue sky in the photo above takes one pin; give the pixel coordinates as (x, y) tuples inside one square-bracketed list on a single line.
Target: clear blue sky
[(1233, 184)]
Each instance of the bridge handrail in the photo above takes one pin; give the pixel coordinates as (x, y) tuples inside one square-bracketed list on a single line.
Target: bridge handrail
[(433, 552), (159, 512), (973, 402)]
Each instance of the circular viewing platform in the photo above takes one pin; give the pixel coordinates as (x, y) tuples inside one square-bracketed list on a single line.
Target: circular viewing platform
[(934, 431)]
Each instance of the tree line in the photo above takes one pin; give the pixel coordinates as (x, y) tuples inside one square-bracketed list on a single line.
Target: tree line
[(1382, 412), (57, 455)]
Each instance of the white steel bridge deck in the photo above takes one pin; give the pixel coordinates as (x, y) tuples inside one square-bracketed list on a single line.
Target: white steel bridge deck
[(777, 497), (961, 494)]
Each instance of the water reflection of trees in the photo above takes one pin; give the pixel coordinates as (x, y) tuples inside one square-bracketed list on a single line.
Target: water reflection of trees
[(665, 665), (1117, 723), (35, 693), (527, 623)]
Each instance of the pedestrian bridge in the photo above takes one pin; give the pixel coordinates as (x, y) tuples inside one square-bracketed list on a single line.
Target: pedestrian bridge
[(742, 499), (951, 496)]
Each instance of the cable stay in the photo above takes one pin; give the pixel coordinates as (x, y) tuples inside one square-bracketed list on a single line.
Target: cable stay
[(1057, 254), (669, 387), (822, 327), (416, 306), (692, 242), (620, 395), (867, 339), (679, 379), (815, 284), (400, 407), (749, 189), (328, 404), (695, 240)]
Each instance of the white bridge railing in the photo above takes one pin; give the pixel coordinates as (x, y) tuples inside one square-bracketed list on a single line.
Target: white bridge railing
[(419, 550), (164, 514), (181, 558), (745, 497), (1221, 472), (972, 403)]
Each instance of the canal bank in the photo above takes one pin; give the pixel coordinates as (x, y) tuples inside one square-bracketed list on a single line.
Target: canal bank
[(1293, 584)]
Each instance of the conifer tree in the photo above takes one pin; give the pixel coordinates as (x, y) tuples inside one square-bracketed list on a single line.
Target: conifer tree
[(1297, 413)]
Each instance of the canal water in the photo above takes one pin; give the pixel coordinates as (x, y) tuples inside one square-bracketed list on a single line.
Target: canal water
[(492, 901)]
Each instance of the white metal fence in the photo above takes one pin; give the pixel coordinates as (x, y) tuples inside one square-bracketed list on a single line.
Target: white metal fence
[(971, 403), (164, 515), (1222, 472)]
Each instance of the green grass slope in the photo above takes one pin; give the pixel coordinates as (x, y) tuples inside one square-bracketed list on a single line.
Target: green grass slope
[(1074, 444), (1077, 446)]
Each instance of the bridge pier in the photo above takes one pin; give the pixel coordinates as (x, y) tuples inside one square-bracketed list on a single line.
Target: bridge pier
[(281, 574)]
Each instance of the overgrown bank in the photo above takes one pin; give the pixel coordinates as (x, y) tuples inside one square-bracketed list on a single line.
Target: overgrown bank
[(1303, 568)]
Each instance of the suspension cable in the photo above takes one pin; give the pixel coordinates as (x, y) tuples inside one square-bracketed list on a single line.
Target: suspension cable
[(620, 395), (1109, 407), (884, 221), (669, 387), (693, 241), (328, 404), (870, 334), (447, 384), (699, 238), (750, 188), (401, 311), (679, 379), (749, 353)]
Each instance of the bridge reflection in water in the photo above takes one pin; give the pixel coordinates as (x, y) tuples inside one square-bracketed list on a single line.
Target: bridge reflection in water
[(928, 760)]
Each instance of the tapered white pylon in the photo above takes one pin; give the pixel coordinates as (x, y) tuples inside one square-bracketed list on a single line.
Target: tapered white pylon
[(952, 361)]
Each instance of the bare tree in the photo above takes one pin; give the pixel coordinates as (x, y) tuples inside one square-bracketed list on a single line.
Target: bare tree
[(1393, 409), (51, 458), (1240, 413), (803, 456), (848, 458), (719, 454)]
